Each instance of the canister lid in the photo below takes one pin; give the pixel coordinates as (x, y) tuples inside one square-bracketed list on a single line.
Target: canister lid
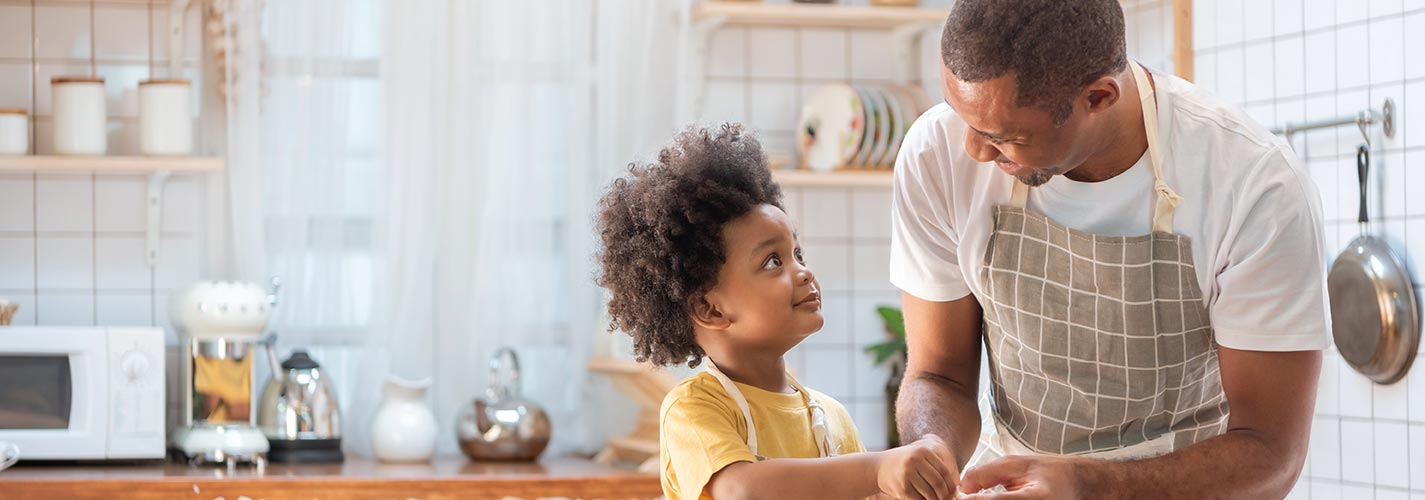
[(76, 79), (13, 111), (165, 81)]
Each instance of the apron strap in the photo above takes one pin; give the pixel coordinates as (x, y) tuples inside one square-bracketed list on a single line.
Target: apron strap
[(1019, 197), (819, 430), (741, 403), (1165, 200)]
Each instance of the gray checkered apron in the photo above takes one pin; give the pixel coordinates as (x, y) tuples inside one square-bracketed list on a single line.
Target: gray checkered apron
[(1098, 345)]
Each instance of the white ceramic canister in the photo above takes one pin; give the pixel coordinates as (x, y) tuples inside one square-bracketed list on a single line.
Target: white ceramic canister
[(79, 115), (165, 119), (14, 131)]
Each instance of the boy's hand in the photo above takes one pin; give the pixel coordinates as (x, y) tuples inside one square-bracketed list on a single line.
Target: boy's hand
[(923, 470)]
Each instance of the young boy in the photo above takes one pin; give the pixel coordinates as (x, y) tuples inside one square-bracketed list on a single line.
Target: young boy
[(702, 261)]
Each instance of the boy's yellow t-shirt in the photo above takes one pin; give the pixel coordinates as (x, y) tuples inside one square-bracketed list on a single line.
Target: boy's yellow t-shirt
[(701, 430)]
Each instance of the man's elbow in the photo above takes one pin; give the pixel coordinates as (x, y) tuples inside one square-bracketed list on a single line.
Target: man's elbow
[(1290, 461), (1284, 458), (914, 376)]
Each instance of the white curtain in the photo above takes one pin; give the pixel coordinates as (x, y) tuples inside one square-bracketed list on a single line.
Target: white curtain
[(303, 105), (422, 175), (505, 119)]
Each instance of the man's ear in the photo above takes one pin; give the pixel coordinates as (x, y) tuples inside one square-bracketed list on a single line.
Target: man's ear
[(708, 315), (1102, 94)]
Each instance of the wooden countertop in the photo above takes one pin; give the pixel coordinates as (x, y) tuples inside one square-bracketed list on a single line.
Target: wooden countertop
[(445, 478)]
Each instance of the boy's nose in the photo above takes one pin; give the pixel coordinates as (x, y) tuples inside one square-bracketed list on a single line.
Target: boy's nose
[(805, 275)]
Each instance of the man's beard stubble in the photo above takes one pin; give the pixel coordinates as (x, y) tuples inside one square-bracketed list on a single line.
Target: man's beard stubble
[(1036, 178)]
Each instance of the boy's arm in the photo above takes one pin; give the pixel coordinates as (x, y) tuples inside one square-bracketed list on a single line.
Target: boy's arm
[(914, 471)]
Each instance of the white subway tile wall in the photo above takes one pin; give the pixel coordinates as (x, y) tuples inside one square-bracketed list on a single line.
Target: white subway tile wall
[(1335, 58), (72, 245)]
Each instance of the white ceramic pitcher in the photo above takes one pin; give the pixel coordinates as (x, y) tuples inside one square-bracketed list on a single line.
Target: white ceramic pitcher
[(404, 428)]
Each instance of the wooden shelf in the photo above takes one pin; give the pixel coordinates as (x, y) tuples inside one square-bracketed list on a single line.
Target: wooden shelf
[(157, 168), (109, 164), (840, 178), (816, 15), (358, 479)]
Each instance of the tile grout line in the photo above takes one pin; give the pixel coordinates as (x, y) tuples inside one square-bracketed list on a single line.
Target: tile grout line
[(93, 194), (151, 268), (92, 65), (149, 32), (746, 72), (34, 177)]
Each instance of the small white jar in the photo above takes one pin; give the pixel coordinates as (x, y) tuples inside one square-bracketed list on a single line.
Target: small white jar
[(80, 119), (165, 117), (14, 131)]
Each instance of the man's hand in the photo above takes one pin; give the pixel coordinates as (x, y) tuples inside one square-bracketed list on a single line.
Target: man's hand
[(1024, 478), (923, 470)]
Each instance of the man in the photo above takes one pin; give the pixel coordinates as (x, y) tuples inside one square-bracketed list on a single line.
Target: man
[(1144, 266)]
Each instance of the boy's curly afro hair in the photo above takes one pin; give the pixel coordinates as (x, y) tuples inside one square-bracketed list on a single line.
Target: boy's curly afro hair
[(661, 231)]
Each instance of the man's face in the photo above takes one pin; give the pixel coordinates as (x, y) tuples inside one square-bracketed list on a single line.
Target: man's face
[(1022, 141)]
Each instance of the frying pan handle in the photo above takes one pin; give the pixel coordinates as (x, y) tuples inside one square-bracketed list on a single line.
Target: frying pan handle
[(1363, 168)]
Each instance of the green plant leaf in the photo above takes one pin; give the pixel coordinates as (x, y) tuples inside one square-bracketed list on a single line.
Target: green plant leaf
[(893, 319), (885, 350)]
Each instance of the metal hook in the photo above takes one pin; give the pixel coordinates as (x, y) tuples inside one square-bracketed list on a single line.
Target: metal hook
[(1363, 122)]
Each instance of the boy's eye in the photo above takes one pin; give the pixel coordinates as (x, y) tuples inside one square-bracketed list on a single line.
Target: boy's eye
[(773, 262), (800, 258)]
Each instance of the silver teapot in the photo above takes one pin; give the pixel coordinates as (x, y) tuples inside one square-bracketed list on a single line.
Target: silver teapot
[(299, 413), (502, 426)]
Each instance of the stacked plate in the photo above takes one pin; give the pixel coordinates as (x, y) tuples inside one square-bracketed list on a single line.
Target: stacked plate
[(857, 127)]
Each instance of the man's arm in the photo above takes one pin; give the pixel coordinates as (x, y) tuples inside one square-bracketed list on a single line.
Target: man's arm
[(1271, 395), (942, 374)]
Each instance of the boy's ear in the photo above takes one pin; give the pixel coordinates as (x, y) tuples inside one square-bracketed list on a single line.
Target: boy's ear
[(707, 315)]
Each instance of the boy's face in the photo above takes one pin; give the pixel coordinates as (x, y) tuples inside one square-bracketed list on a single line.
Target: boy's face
[(766, 295)]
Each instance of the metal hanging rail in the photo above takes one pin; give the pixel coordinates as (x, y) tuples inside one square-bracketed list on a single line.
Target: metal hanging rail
[(1364, 120)]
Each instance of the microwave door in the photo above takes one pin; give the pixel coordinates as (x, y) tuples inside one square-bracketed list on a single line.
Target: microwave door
[(52, 390)]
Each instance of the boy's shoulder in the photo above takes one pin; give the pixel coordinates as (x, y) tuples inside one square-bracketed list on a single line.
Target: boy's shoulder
[(701, 391)]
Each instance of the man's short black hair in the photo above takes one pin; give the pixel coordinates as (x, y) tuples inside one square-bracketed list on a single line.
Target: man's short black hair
[(1053, 47)]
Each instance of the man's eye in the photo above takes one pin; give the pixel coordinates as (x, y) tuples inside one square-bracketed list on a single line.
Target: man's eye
[(773, 262)]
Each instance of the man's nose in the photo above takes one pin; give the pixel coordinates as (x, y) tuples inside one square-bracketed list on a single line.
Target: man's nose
[(980, 149)]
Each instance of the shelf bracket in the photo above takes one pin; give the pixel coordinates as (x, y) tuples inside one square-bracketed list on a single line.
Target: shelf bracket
[(697, 64), (156, 181), (905, 38)]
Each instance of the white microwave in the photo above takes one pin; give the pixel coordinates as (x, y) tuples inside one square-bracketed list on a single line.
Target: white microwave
[(82, 393)]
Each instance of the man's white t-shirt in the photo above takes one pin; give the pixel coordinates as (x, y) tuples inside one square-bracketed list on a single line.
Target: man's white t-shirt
[(1250, 210)]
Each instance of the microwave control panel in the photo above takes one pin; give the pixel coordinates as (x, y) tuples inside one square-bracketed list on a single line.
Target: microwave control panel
[(137, 379)]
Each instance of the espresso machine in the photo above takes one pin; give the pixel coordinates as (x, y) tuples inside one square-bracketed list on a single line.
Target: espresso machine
[(221, 325)]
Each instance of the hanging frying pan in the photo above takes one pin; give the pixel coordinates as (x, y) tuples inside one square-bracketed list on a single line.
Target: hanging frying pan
[(1374, 316)]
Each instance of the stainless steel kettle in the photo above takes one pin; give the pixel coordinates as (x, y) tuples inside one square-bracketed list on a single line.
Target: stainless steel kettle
[(299, 412), (502, 426)]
